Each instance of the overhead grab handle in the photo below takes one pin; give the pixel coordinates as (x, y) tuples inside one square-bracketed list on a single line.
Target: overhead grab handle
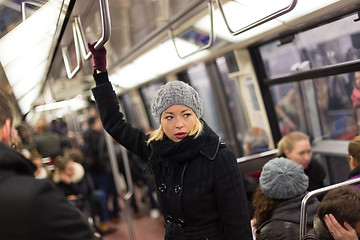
[(211, 37), (65, 54), (106, 30), (23, 7), (274, 15)]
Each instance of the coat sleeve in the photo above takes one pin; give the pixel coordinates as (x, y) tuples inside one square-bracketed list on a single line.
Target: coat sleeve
[(53, 217), (113, 120), (232, 202)]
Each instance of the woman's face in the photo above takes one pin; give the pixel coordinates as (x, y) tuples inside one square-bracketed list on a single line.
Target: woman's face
[(69, 169), (177, 122), (357, 79), (301, 153)]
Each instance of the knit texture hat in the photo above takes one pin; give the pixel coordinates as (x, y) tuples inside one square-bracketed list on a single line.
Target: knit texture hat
[(176, 93), (282, 178)]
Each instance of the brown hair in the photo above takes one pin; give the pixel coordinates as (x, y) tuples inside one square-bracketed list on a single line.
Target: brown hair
[(263, 206), (61, 162), (343, 203), (354, 149), (287, 142)]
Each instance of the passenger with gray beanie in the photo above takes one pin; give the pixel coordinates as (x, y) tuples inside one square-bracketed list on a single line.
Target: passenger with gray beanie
[(277, 201), (198, 182)]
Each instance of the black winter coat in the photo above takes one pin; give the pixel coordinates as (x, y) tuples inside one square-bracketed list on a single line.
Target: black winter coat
[(200, 190), (285, 220), (33, 209)]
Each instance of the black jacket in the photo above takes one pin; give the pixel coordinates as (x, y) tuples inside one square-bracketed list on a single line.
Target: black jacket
[(285, 220), (200, 191), (33, 209)]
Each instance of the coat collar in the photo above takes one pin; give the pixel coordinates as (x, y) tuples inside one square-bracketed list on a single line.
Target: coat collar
[(213, 143), (14, 161)]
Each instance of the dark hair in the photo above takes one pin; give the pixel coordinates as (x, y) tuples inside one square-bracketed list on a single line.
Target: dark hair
[(92, 120), (5, 109), (263, 206), (343, 203)]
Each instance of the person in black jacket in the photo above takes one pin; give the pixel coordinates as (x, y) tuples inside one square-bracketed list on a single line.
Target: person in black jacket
[(198, 183), (32, 209)]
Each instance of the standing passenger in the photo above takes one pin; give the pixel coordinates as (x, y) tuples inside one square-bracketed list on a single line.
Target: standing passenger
[(199, 185), (30, 208), (296, 146)]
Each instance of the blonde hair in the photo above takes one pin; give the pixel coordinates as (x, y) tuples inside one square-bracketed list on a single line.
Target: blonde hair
[(287, 142), (159, 133)]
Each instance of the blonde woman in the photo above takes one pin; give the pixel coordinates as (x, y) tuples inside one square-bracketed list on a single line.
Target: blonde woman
[(198, 182), (296, 147)]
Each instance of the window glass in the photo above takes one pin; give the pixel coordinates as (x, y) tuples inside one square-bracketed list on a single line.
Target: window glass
[(234, 103), (200, 81), (147, 94), (323, 107), (332, 43)]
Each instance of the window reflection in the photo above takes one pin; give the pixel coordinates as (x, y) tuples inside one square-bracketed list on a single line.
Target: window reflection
[(336, 111), (332, 43)]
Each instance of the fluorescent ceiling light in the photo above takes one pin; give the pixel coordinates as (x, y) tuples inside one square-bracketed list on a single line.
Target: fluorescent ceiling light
[(24, 51), (241, 13), (154, 63), (72, 104)]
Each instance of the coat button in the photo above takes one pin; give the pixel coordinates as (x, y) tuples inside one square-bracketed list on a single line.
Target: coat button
[(169, 219), (180, 222), (162, 187), (177, 189)]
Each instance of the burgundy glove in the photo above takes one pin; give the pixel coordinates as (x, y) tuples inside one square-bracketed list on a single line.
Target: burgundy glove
[(99, 57)]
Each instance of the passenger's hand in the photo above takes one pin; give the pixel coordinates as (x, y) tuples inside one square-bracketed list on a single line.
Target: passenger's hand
[(99, 57), (339, 232)]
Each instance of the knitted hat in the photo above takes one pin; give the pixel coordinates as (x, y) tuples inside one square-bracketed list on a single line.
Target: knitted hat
[(282, 178), (176, 93)]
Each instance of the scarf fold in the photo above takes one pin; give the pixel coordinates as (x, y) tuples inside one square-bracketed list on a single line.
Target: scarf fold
[(179, 152)]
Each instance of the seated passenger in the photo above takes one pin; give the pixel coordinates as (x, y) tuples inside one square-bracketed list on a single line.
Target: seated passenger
[(255, 141), (296, 146), (277, 201), (337, 216), (354, 158)]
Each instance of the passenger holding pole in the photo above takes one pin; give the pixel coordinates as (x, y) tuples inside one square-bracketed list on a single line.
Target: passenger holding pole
[(198, 182)]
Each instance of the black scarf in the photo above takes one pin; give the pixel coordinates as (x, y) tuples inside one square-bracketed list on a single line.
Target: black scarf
[(181, 151)]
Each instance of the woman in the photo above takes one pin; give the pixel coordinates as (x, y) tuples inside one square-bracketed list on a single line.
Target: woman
[(198, 183), (296, 147), (277, 201)]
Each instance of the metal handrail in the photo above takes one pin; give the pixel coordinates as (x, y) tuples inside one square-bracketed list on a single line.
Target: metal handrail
[(106, 29), (211, 36), (23, 7), (80, 32), (65, 54), (115, 171), (314, 193), (274, 15)]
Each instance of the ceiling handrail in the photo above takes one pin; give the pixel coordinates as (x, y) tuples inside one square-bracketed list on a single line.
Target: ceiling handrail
[(211, 36), (272, 16), (65, 54)]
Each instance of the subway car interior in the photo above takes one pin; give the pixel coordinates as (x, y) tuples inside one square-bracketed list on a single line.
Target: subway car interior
[(281, 66)]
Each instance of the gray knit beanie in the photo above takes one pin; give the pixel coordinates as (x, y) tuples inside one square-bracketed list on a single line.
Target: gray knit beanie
[(176, 93), (282, 178)]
